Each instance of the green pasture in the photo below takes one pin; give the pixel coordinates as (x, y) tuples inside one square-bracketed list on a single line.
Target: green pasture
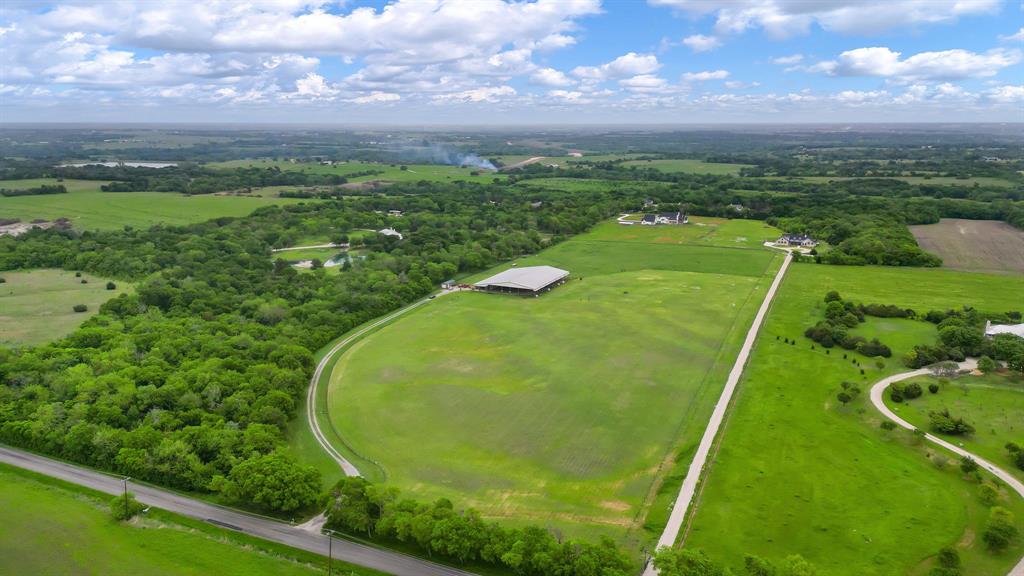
[(389, 172), (992, 403), (798, 473), (598, 158), (701, 230), (35, 305), (567, 410), (688, 166), (324, 254), (90, 209), (50, 527)]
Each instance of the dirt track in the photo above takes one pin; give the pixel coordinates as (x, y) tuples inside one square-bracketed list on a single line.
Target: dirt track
[(976, 245)]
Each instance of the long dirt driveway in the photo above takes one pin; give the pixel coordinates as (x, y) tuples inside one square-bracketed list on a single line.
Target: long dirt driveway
[(877, 395), (689, 488)]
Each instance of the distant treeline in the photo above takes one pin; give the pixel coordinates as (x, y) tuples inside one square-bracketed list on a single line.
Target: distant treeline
[(37, 191)]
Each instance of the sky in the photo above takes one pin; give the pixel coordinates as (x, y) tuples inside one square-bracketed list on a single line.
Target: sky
[(424, 62)]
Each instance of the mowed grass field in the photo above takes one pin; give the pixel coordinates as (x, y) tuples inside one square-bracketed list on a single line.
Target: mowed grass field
[(701, 230), (35, 305), (688, 166), (798, 473), (992, 403), (389, 172), (49, 527), (979, 245), (566, 410), (88, 208)]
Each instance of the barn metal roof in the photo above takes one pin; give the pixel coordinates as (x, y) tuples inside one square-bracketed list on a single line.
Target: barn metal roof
[(529, 278)]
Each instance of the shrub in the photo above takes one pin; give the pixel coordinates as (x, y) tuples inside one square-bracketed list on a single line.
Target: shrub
[(79, 307), (968, 465), (912, 390), (888, 425), (84, 281), (949, 557), (1000, 530), (78, 274), (2, 280), (933, 388), (986, 364), (120, 511), (988, 494), (947, 424), (111, 286)]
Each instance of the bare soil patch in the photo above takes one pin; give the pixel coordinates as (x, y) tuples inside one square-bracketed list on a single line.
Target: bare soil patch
[(977, 245)]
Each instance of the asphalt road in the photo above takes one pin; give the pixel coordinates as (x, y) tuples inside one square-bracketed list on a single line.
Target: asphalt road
[(686, 493), (281, 532), (877, 395)]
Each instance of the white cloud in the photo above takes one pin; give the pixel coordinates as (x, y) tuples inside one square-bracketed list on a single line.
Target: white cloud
[(702, 43), (314, 87), (788, 60), (376, 97), (1015, 37), (550, 77), (785, 18), (706, 75), (644, 83), (486, 94), (944, 65), (631, 64), (738, 85), (1007, 94), (574, 96)]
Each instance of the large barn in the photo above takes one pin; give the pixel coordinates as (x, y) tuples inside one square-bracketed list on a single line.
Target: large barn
[(529, 281)]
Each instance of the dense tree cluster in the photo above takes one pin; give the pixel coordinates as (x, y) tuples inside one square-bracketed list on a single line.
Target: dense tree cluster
[(35, 191), (842, 316), (961, 333), (1016, 453), (190, 380), (377, 512), (944, 422)]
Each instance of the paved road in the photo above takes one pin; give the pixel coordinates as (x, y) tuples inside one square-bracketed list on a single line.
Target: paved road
[(294, 536), (331, 245), (689, 487), (877, 395)]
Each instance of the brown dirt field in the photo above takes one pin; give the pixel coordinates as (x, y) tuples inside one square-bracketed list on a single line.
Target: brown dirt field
[(976, 245)]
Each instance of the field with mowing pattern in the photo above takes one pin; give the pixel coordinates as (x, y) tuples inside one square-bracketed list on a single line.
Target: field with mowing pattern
[(688, 166), (35, 305), (979, 245), (798, 473), (90, 209), (701, 230), (992, 403), (50, 527), (567, 410)]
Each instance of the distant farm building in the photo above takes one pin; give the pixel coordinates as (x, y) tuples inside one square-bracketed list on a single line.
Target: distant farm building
[(800, 240), (391, 232), (992, 330), (664, 218), (448, 284), (529, 281), (394, 213)]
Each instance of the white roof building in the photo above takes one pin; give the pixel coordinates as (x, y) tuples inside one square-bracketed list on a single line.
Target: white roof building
[(390, 232), (530, 279), (994, 329)]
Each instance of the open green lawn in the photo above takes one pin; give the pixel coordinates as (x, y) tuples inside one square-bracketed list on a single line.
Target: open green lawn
[(992, 403), (566, 410), (50, 527), (688, 166), (90, 209), (390, 172), (35, 305), (324, 254), (700, 230), (797, 473)]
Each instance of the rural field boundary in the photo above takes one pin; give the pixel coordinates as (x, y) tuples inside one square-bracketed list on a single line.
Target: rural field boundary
[(877, 395), (693, 474)]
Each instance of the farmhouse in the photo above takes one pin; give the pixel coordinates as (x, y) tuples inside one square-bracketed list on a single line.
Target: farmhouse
[(992, 330), (529, 281), (801, 240), (665, 218)]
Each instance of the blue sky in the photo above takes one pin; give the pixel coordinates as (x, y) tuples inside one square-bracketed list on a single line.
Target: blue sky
[(498, 62)]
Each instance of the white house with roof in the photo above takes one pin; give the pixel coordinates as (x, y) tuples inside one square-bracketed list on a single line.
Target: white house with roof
[(801, 240), (391, 232)]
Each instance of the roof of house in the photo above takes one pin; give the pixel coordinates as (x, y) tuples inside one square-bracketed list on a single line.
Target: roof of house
[(670, 215), (529, 278), (1015, 329), (648, 218), (797, 237)]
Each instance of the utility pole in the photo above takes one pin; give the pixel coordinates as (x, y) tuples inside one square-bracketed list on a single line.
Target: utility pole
[(126, 479), (330, 551)]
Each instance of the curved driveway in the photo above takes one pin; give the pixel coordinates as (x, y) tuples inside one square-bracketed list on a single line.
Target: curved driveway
[(877, 395), (266, 528), (314, 383)]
